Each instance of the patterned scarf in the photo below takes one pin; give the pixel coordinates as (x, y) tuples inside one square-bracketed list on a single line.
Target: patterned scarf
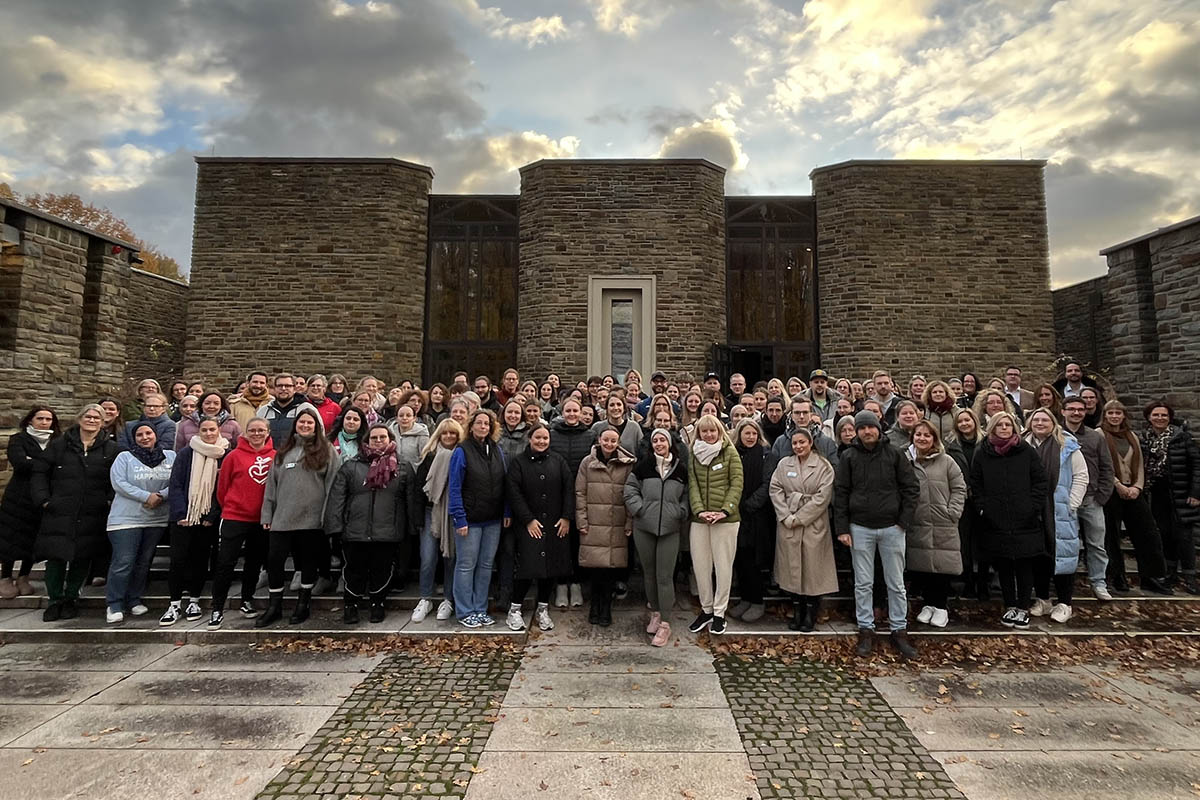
[(1156, 451), (383, 464), (150, 456)]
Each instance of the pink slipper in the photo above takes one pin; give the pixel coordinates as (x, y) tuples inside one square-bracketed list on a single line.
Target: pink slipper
[(655, 621), (662, 635)]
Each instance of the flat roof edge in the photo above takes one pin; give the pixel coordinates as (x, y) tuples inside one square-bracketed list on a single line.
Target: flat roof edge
[(1152, 234), (623, 161), (309, 160), (66, 223), (929, 162)]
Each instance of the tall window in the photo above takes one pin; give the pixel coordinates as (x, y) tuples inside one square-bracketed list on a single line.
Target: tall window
[(471, 289)]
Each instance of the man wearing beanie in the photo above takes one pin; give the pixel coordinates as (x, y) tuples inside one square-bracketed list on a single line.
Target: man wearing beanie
[(874, 498)]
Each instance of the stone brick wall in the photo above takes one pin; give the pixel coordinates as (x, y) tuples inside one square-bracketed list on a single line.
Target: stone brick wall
[(1082, 325), (307, 264), (581, 218), (156, 315), (1153, 291), (933, 267)]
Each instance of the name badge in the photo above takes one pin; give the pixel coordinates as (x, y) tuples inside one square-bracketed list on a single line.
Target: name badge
[(791, 474), (718, 466), (290, 466)]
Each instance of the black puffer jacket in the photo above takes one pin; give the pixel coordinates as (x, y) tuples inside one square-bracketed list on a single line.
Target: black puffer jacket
[(19, 516), (75, 487), (541, 487), (874, 488), (757, 529), (1008, 492), (572, 442), (359, 514), (1183, 474)]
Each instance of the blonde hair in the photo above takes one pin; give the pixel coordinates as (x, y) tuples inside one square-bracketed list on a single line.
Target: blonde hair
[(709, 422), (1056, 431), (978, 428), (991, 426), (435, 439)]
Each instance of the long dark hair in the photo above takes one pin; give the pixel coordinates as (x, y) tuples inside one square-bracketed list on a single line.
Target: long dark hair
[(317, 450), (339, 424), (27, 420)]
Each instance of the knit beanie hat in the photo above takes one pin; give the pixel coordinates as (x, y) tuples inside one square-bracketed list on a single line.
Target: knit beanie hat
[(866, 419)]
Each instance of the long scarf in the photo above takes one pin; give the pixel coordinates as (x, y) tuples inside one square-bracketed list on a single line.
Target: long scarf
[(1156, 452), (347, 446), (437, 486), (752, 467), (150, 456), (205, 460), (41, 437), (1050, 452), (1114, 432), (1002, 446), (706, 452), (772, 430), (383, 466)]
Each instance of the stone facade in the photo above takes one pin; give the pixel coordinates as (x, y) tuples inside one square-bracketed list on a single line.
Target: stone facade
[(934, 267), (156, 316), (1082, 325), (1153, 292), (579, 218), (307, 264)]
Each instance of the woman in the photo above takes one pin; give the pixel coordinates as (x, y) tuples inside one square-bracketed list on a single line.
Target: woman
[(775, 388), (114, 425), (196, 388), (241, 483), (372, 507), (689, 412), (617, 418), (20, 517), (70, 484), (437, 535), (938, 402), (362, 400), (372, 386), (179, 390), (388, 412), (529, 390), (604, 523), (970, 390), (137, 520), (843, 389), (714, 495), (1067, 479), (439, 402), (976, 572), (293, 512), (214, 405), (193, 515), (933, 554), (513, 429), (532, 414), (843, 432), (336, 391), (1046, 396), (656, 496), (1172, 462), (546, 399), (1129, 505), (1009, 487), (795, 386), (737, 414), (572, 440), (479, 508), (541, 491), (756, 531), (990, 402), (513, 442), (801, 488), (418, 401), (349, 432), (956, 388), (916, 389), (907, 417), (409, 436)]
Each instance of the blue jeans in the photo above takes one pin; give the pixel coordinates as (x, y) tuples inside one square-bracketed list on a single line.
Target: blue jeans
[(1091, 532), (430, 547), (891, 544), (473, 568), (132, 552)]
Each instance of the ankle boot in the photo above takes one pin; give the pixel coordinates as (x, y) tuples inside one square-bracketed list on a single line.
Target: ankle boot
[(799, 608), (303, 600), (813, 609), (606, 610), (378, 610), (594, 608), (274, 610), (349, 609)]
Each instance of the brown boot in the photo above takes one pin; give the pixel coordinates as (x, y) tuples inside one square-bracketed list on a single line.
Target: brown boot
[(25, 586)]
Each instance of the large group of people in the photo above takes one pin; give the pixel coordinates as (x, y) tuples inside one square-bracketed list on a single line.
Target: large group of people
[(492, 489)]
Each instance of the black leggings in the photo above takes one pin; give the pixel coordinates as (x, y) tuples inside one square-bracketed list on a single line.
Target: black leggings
[(6, 568), (368, 568), (305, 548), (1016, 580), (234, 537), (191, 549), (521, 588), (934, 589), (750, 577), (1064, 585), (1143, 533)]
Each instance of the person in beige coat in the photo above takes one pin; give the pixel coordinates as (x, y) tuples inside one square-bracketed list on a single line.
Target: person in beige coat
[(801, 490), (933, 554), (603, 521)]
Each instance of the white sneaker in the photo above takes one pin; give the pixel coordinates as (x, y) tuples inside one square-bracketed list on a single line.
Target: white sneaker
[(1061, 613), (422, 610), (515, 621), (926, 614), (542, 615), (113, 617), (1102, 593), (193, 612), (560, 596), (445, 610), (139, 610), (1040, 608), (576, 595), (939, 618)]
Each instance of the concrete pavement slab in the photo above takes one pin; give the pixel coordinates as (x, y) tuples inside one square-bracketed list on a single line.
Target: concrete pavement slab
[(16, 721), (177, 727), (629, 626), (254, 688), (54, 687), (613, 776), (75, 658), (637, 690), (616, 658), (1068, 685), (615, 730), (225, 658)]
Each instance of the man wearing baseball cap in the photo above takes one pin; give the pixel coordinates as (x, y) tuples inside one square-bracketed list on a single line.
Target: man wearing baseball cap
[(824, 400), (875, 497), (658, 385)]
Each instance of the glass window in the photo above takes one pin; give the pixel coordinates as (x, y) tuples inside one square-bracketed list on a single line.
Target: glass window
[(622, 336)]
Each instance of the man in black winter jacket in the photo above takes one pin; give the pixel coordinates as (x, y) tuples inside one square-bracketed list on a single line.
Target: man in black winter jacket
[(875, 496)]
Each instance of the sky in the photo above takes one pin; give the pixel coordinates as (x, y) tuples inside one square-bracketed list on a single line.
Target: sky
[(113, 98)]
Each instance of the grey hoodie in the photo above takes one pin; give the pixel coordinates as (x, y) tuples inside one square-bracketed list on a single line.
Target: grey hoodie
[(294, 499)]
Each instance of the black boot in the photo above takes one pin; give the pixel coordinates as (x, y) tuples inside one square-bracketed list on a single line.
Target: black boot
[(303, 600), (902, 645), (799, 611), (594, 609), (274, 610), (349, 609), (866, 642), (812, 607), (606, 610), (378, 612)]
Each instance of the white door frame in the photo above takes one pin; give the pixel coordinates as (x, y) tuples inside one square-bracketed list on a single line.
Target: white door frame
[(647, 286)]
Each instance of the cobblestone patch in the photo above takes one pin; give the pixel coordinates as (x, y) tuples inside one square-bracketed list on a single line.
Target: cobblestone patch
[(813, 731), (414, 728)]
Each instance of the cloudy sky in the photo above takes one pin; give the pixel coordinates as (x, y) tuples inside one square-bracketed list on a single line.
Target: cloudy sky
[(112, 98)]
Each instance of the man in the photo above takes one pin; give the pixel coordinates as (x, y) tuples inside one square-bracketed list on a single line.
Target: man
[(483, 388), (509, 382), (1021, 398), (737, 387), (245, 406), (1071, 385), (658, 385), (881, 382), (154, 412), (712, 382), (802, 417), (280, 412), (328, 409), (594, 383), (824, 400), (875, 497), (1100, 488)]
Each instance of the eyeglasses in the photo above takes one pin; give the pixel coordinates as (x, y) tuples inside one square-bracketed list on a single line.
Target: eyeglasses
[(285, 386), (155, 405)]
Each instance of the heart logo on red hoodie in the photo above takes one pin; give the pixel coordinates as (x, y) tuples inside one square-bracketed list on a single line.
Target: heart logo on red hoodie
[(259, 469)]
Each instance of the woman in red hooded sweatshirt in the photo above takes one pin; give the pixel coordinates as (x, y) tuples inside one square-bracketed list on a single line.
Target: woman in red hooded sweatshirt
[(240, 486)]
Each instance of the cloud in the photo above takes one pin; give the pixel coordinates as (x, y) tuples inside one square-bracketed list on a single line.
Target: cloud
[(495, 169), (532, 32), (713, 139), (629, 17)]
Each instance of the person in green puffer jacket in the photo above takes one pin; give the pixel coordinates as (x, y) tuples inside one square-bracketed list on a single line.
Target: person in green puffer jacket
[(714, 492)]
